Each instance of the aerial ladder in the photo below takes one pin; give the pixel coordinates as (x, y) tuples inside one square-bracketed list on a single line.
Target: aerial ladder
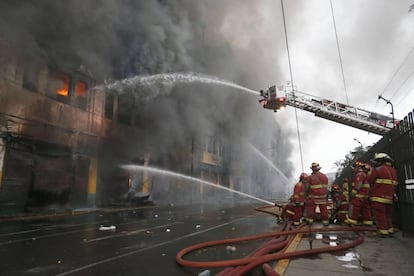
[(327, 109)]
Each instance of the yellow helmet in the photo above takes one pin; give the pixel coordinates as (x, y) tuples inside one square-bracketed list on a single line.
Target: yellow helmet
[(381, 155), (315, 166)]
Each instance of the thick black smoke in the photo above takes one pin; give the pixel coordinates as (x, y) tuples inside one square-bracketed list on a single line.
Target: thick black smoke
[(118, 39)]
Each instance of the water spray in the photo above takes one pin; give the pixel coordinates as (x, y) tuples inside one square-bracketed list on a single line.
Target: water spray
[(166, 172), (171, 79), (270, 163)]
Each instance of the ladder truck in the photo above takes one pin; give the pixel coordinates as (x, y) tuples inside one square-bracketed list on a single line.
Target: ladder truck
[(327, 109)]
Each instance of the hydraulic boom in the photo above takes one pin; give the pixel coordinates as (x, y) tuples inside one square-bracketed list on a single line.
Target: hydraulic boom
[(328, 109)]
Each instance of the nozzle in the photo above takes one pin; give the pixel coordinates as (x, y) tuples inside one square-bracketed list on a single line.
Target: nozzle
[(261, 93)]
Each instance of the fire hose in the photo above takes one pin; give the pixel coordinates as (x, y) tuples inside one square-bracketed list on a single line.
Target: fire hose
[(270, 251)]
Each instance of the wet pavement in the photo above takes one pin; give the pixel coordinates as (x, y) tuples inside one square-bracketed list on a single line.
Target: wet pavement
[(145, 240), (375, 256)]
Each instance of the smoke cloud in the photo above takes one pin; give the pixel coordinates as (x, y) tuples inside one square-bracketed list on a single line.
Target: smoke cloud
[(235, 40)]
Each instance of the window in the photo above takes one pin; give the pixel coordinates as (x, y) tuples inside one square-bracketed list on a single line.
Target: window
[(214, 147), (31, 78), (80, 99), (109, 106), (219, 150), (63, 88), (81, 88), (208, 146), (58, 86), (125, 105), (211, 145)]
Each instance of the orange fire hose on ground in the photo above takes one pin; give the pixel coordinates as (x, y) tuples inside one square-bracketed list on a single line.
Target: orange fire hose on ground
[(270, 251)]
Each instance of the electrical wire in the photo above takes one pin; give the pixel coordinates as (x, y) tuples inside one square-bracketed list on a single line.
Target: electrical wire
[(339, 53), (403, 98), (395, 74), (340, 56), (291, 81), (393, 77), (403, 83)]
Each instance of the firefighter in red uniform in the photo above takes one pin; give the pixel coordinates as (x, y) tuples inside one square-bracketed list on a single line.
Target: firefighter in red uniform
[(317, 195), (383, 180), (298, 199), (340, 204), (345, 188), (359, 203), (288, 211)]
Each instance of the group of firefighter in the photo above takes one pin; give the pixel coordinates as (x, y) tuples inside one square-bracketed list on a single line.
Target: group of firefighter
[(370, 199)]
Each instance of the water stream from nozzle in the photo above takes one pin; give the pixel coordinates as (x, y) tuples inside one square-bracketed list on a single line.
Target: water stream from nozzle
[(270, 163), (132, 168), (170, 79)]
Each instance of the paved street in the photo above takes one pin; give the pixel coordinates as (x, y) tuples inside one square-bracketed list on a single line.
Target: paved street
[(145, 241)]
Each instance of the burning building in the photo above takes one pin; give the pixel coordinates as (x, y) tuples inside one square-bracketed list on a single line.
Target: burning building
[(50, 127), (63, 139)]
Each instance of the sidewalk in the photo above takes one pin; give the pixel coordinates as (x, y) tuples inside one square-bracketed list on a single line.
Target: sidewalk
[(375, 256)]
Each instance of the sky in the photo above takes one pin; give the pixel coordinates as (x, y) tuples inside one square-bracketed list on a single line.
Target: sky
[(376, 41), (240, 41)]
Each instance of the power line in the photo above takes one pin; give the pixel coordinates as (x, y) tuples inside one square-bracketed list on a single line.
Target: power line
[(291, 81), (339, 53), (403, 98), (396, 72), (402, 84)]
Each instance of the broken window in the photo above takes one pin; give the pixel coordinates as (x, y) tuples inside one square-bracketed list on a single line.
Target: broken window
[(125, 108), (80, 96), (58, 86), (81, 88), (109, 106), (212, 146), (63, 87)]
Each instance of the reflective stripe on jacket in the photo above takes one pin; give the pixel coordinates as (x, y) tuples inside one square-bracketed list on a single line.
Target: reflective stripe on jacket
[(383, 181), (299, 193), (318, 186), (360, 185)]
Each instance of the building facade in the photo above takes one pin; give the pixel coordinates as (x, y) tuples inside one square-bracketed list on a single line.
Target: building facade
[(62, 141)]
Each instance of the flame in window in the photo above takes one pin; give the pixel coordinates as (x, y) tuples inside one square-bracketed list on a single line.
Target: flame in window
[(63, 87), (81, 88)]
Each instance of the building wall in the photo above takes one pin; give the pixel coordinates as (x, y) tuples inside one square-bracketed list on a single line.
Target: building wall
[(71, 141), (51, 143), (2, 151)]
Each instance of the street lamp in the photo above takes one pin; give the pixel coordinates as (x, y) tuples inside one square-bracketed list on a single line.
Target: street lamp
[(392, 107)]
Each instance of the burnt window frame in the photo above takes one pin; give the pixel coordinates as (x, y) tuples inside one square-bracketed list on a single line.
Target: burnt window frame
[(80, 101), (109, 106), (51, 92)]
